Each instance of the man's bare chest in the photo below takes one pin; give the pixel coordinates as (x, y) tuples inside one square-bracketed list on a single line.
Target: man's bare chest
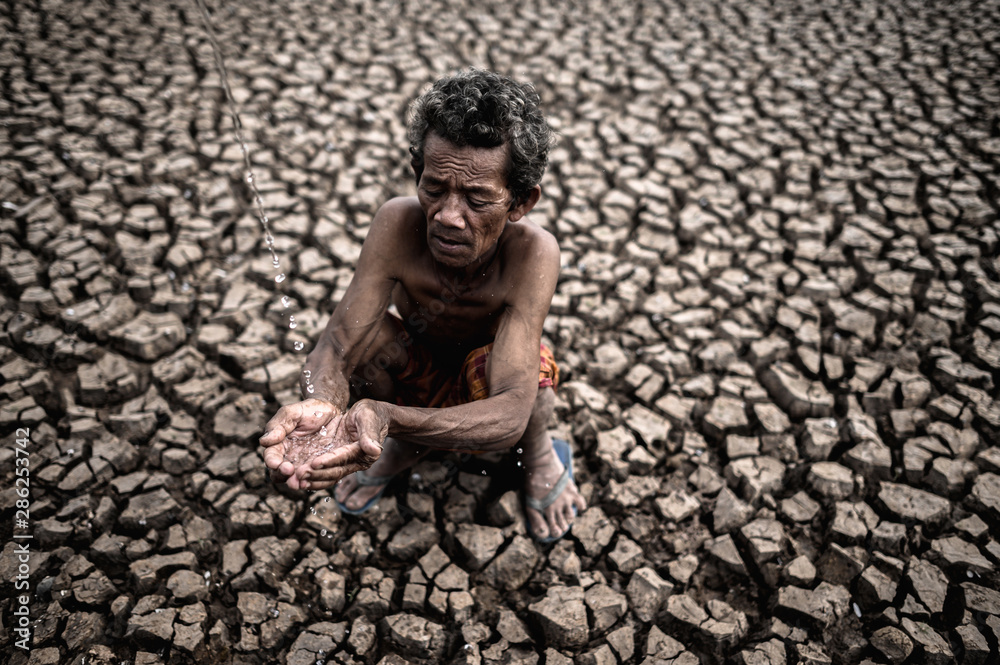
[(442, 313)]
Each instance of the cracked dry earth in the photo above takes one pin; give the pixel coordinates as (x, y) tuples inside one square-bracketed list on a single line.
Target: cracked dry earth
[(778, 321)]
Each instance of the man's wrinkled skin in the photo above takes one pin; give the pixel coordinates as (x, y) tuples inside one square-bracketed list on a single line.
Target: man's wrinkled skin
[(463, 268)]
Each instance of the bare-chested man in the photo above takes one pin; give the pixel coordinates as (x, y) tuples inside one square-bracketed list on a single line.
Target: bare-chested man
[(462, 366)]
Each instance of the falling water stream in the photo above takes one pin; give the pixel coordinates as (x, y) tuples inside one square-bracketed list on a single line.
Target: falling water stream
[(220, 64), (251, 180)]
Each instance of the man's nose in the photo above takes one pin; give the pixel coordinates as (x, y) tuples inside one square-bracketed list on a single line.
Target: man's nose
[(450, 212)]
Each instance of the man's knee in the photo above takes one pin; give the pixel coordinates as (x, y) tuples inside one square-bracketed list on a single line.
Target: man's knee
[(545, 402)]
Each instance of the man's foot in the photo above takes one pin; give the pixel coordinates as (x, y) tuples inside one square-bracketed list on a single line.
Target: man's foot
[(355, 494), (543, 475)]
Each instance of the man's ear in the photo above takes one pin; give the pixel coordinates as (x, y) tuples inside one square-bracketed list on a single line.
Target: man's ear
[(527, 202)]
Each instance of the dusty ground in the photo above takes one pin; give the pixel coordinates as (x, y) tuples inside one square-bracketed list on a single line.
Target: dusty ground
[(778, 322)]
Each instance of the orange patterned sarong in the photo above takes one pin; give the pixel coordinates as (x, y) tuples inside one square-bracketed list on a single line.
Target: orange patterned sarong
[(422, 384)]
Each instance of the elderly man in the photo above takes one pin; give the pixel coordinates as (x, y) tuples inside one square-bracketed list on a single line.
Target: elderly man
[(458, 363)]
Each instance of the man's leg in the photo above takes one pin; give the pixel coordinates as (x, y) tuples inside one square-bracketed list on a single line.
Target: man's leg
[(374, 379), (543, 469)]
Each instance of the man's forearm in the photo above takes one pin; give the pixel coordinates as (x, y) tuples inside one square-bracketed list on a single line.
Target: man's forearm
[(495, 423)]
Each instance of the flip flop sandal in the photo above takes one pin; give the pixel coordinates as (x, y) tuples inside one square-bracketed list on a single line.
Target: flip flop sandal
[(565, 456), (364, 480)]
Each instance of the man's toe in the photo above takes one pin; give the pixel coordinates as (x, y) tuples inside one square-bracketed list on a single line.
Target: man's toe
[(539, 525)]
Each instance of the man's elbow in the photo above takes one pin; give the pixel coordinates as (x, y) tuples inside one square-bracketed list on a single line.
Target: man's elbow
[(511, 438), (512, 427)]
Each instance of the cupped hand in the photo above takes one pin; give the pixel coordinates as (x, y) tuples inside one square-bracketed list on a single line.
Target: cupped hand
[(297, 434), (361, 432)]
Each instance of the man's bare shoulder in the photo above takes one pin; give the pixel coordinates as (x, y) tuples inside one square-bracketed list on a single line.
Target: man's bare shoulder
[(399, 213), (527, 242), (396, 231)]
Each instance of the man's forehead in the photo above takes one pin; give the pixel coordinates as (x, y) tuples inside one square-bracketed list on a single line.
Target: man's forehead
[(479, 167)]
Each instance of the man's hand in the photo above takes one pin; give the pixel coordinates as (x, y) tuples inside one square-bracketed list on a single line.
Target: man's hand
[(360, 434), (296, 434)]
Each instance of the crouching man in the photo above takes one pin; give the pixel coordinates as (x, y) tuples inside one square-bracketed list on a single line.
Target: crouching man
[(458, 363)]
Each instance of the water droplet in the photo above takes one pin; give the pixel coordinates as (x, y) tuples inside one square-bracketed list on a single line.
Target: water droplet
[(280, 278), (269, 239), (310, 389), (312, 510), (285, 300), (171, 275), (326, 500), (703, 202), (188, 193), (275, 612), (857, 610), (520, 450), (328, 147), (323, 532), (71, 451), (322, 430), (483, 472), (276, 263), (185, 287), (292, 325), (142, 522), (70, 312), (317, 414), (306, 373), (298, 346), (250, 178)]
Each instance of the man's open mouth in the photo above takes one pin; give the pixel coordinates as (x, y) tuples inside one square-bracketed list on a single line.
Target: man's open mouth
[(448, 244)]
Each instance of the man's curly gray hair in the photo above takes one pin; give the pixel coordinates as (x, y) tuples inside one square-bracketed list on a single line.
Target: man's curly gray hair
[(483, 109)]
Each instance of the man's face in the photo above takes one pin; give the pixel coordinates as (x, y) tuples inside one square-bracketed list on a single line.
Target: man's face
[(463, 192)]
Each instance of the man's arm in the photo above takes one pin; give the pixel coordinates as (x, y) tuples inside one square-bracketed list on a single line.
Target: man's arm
[(350, 331), (355, 322)]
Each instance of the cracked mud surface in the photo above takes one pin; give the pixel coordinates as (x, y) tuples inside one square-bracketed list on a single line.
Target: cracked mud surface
[(778, 325)]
